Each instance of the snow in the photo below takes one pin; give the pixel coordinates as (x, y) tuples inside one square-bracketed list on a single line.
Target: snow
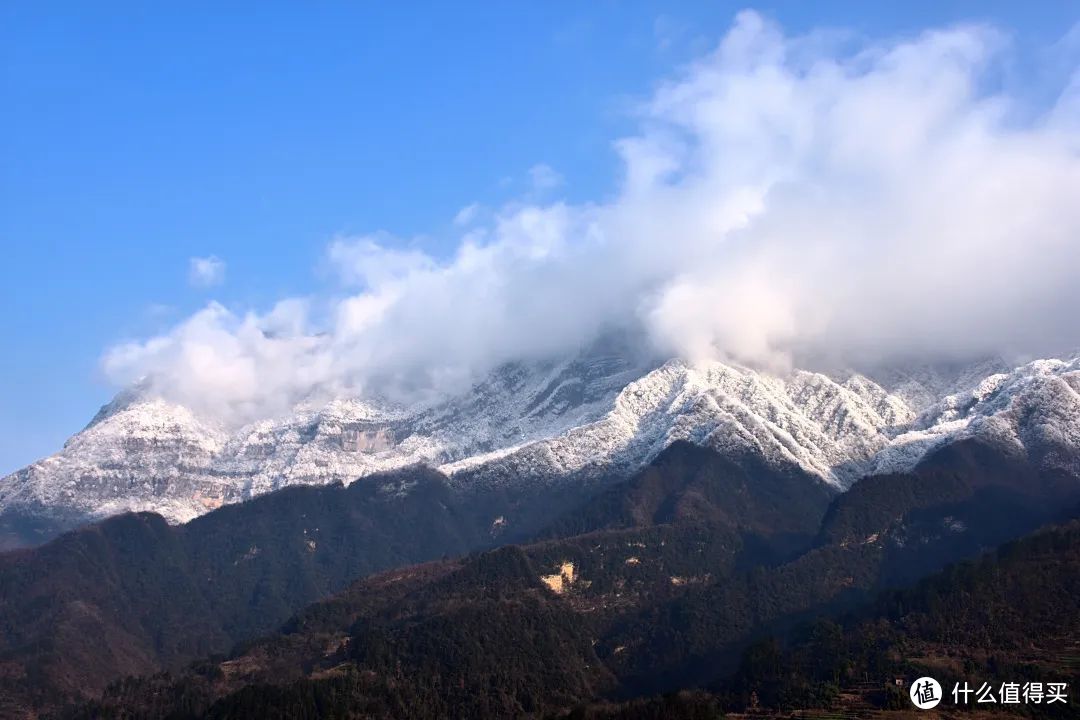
[(574, 420)]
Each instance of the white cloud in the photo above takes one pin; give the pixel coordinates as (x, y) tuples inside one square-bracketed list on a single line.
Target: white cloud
[(466, 215), (783, 197), (544, 177), (367, 262), (206, 271)]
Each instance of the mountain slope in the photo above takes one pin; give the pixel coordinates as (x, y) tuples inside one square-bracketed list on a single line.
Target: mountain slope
[(782, 506), (579, 422), (133, 593), (142, 453), (539, 629), (1009, 616)]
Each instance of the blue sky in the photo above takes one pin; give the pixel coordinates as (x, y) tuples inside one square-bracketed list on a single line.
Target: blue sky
[(138, 136)]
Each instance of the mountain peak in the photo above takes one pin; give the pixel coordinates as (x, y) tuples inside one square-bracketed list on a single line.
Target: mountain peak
[(584, 419)]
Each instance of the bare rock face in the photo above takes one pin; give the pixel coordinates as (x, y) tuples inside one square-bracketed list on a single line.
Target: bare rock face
[(596, 415)]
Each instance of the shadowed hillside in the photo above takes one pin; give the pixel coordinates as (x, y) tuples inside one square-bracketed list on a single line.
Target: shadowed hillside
[(614, 614), (133, 595)]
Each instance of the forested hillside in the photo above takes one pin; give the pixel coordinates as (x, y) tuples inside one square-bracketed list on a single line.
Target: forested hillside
[(641, 610), (133, 594)]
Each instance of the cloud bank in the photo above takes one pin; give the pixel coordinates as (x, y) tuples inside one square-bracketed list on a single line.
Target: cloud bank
[(783, 197)]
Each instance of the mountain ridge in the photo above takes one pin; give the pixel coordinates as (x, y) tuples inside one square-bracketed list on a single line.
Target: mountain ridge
[(603, 413)]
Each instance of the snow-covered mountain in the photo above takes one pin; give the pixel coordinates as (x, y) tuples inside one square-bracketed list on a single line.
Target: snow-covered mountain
[(596, 415)]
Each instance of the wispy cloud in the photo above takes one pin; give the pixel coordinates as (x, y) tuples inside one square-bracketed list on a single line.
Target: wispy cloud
[(206, 271), (544, 177), (667, 31), (466, 215), (783, 197)]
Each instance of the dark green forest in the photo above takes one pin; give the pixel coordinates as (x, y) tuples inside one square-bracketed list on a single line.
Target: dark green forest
[(482, 639), (700, 586)]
